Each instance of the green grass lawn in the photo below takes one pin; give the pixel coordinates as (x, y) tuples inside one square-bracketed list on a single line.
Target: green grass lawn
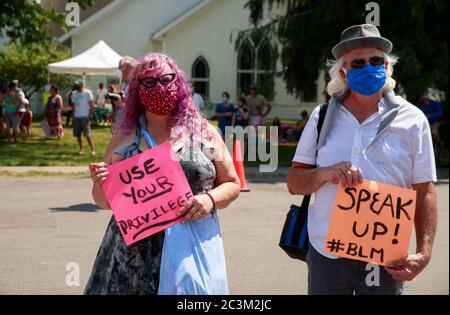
[(285, 155), (39, 151)]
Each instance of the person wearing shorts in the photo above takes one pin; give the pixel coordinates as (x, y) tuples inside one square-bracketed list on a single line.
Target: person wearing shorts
[(12, 123), (83, 109), (81, 126), (13, 99)]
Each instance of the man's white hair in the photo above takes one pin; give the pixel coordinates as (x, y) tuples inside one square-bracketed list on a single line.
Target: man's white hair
[(338, 85), (127, 61)]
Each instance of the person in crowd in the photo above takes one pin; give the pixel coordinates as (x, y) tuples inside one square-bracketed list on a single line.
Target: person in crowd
[(26, 121), (2, 124), (126, 66), (290, 135), (304, 117), (241, 114), (69, 106), (259, 107), (109, 102), (13, 100), (101, 111), (224, 112), (25, 113), (276, 122), (118, 104), (348, 151), (83, 111), (159, 108), (300, 126), (197, 98), (433, 111), (22, 109), (53, 113)]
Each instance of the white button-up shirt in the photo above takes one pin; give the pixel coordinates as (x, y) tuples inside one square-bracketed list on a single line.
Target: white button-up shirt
[(402, 155)]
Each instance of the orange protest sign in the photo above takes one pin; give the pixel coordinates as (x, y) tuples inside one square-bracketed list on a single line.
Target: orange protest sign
[(371, 222)]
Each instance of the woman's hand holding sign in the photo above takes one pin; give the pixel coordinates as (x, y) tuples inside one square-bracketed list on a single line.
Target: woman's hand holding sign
[(99, 172), (197, 208)]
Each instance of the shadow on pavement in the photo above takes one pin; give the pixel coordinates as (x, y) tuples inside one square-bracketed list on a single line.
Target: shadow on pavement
[(82, 207)]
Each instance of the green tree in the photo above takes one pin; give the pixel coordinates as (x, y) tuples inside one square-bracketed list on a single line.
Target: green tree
[(27, 21), (28, 63), (309, 29)]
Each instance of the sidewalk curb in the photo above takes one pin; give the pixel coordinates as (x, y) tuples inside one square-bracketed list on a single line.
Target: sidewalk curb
[(35, 171)]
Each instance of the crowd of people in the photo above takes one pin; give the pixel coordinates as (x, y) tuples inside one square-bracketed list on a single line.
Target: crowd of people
[(82, 108), (252, 111), (15, 112), (86, 108)]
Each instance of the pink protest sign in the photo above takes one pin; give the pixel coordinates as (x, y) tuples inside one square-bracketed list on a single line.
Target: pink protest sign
[(146, 192)]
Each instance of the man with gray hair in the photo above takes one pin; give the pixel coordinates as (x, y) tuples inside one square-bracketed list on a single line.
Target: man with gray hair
[(368, 132), (126, 65)]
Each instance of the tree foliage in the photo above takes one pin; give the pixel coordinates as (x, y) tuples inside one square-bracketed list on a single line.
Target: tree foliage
[(309, 29), (29, 48), (27, 21), (28, 63)]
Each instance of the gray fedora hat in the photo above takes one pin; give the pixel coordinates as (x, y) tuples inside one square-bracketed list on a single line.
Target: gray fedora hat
[(357, 36)]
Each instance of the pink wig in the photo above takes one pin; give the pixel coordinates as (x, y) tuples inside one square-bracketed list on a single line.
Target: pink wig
[(186, 114)]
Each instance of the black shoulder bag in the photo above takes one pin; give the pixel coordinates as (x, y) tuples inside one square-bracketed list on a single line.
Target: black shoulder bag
[(294, 237)]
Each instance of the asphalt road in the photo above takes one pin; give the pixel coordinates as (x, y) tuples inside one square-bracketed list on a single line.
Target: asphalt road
[(48, 223)]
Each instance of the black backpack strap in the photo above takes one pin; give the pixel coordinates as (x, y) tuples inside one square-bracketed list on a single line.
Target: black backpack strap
[(322, 113)]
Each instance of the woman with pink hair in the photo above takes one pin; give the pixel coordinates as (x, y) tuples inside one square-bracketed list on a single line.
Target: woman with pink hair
[(186, 258)]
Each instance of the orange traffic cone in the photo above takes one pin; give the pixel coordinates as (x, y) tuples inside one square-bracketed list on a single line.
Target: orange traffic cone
[(239, 164)]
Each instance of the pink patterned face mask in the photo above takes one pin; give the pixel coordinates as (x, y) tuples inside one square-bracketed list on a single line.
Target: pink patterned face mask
[(160, 99)]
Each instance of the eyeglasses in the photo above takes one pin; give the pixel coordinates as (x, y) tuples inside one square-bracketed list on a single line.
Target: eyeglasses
[(374, 61), (165, 79)]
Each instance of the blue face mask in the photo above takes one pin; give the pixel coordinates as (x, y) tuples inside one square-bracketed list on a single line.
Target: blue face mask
[(367, 80)]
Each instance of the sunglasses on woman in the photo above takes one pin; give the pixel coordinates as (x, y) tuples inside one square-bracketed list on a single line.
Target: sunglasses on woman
[(374, 61), (165, 79)]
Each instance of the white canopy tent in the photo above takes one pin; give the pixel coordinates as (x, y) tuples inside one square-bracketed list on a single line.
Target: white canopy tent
[(100, 59)]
